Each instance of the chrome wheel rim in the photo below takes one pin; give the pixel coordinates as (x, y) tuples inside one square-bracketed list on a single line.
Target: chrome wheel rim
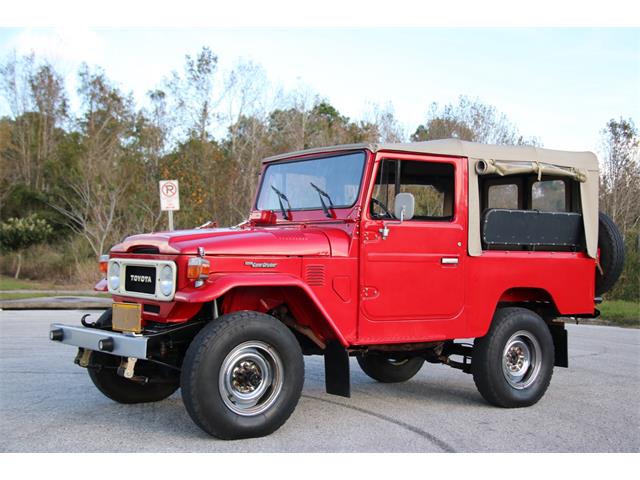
[(521, 360), (251, 378)]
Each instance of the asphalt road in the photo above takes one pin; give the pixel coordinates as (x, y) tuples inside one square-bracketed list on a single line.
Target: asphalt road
[(48, 404)]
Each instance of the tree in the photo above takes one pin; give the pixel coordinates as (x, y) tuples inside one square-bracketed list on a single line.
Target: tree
[(470, 120), (96, 186), (246, 142), (386, 125), (619, 193), (38, 102), (18, 234), (196, 160), (620, 179), (300, 126), (194, 93)]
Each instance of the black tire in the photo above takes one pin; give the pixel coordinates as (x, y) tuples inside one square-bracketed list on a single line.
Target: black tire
[(611, 247), (387, 369), (489, 365), (224, 358), (103, 368)]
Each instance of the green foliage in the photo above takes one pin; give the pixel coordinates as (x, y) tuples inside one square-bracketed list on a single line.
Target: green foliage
[(22, 200), (621, 312), (619, 192), (628, 286), (8, 283), (20, 233), (437, 128), (470, 120)]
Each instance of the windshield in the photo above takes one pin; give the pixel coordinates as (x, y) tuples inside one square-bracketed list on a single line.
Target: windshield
[(306, 184)]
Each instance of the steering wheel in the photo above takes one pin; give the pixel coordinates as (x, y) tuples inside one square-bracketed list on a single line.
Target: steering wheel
[(387, 213)]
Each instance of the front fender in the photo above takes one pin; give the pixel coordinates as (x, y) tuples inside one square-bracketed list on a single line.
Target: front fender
[(219, 284)]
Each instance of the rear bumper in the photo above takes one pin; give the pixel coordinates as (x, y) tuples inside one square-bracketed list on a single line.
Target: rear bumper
[(120, 344)]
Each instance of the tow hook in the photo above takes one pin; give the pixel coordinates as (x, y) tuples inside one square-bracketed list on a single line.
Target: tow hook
[(126, 370), (126, 367), (85, 323), (82, 358)]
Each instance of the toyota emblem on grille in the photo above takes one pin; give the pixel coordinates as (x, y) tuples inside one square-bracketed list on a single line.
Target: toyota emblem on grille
[(140, 278)]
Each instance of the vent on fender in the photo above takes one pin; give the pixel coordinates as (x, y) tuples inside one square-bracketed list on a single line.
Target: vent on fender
[(314, 275)]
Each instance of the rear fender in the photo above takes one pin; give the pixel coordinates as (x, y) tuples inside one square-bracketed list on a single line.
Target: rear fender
[(514, 295), (537, 299)]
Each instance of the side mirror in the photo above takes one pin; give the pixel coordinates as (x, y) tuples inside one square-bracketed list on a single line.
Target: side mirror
[(404, 206)]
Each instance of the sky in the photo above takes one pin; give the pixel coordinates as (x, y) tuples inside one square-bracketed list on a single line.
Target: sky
[(561, 85)]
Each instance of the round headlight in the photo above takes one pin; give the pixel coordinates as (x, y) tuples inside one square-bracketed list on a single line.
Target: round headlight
[(114, 276), (166, 280)]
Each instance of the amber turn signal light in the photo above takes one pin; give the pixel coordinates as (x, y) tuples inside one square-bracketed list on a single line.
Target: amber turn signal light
[(198, 268), (104, 263)]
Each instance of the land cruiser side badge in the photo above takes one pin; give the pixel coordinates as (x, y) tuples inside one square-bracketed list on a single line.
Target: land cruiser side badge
[(261, 265)]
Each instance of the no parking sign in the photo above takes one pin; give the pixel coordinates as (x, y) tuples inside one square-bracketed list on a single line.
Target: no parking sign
[(169, 195)]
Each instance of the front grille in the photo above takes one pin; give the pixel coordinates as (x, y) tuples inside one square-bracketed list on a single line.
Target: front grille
[(140, 279)]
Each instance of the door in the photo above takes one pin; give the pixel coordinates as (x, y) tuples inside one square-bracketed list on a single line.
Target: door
[(412, 284)]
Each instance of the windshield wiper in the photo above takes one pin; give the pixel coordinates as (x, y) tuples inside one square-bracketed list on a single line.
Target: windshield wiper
[(322, 193), (282, 196)]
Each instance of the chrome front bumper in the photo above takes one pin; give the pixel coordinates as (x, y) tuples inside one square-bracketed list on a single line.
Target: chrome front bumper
[(120, 344)]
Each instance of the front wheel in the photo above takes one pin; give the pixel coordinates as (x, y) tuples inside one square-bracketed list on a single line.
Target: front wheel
[(242, 376), (513, 363), (388, 369)]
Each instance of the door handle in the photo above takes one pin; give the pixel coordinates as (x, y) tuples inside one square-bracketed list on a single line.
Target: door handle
[(384, 231), (449, 260)]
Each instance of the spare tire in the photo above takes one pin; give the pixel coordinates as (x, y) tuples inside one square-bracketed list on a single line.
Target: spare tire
[(611, 247)]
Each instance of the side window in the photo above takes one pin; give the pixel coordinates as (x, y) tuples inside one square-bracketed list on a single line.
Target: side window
[(549, 196), (503, 196), (430, 183), (384, 190)]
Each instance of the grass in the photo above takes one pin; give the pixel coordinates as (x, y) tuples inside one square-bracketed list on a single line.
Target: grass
[(9, 283), (22, 296), (620, 312)]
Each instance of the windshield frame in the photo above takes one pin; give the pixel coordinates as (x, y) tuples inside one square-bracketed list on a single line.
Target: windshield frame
[(318, 156)]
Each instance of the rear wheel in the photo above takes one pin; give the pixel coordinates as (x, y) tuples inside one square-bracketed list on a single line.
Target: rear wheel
[(512, 364), (103, 373), (389, 369), (242, 376)]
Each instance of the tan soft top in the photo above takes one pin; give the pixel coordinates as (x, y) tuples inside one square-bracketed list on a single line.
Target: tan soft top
[(461, 148), (503, 160)]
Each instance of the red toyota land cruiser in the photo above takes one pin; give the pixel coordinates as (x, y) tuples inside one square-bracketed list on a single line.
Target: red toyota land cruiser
[(391, 253)]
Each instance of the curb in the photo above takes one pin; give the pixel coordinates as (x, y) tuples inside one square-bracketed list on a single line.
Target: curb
[(57, 303)]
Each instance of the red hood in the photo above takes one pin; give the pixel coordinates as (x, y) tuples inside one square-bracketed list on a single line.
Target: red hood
[(247, 241)]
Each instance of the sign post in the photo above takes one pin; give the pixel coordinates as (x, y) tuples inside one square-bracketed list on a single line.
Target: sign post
[(169, 198)]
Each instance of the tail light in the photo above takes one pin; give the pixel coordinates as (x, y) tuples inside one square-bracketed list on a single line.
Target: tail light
[(104, 263), (198, 269)]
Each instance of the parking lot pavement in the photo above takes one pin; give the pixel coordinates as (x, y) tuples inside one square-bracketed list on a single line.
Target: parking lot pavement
[(48, 404)]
